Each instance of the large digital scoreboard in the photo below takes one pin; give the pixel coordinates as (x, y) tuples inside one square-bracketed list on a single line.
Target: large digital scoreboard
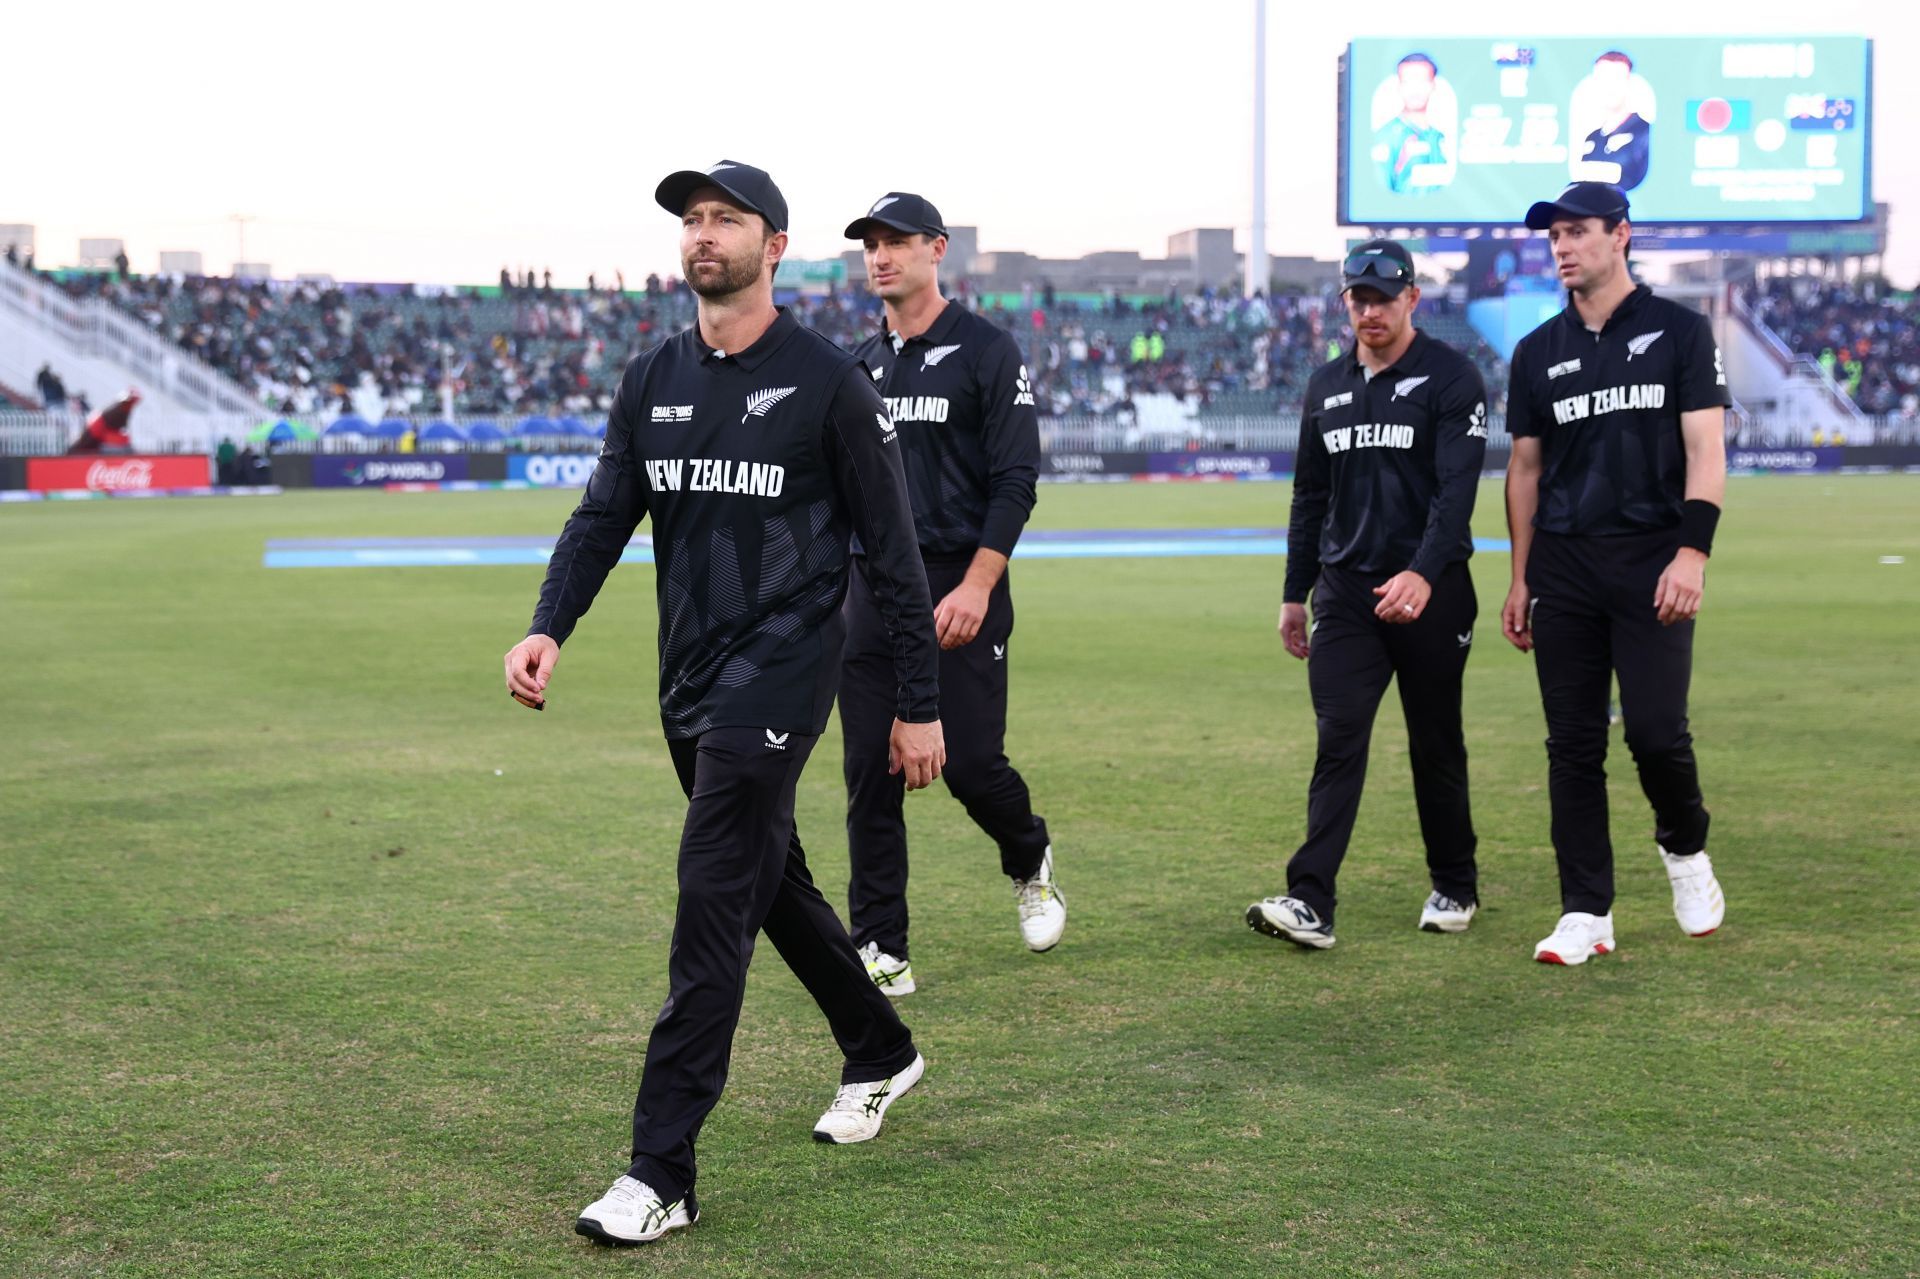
[(1700, 131)]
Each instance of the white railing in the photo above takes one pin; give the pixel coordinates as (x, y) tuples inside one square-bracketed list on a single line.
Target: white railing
[(1278, 432), (96, 328), (37, 434)]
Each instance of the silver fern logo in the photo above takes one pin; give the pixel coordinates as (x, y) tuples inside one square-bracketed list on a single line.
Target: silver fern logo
[(881, 204), (1406, 385), (1639, 345), (938, 354), (761, 401)]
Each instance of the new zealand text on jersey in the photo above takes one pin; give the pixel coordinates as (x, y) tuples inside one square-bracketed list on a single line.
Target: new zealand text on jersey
[(917, 408), (716, 475), (1610, 399), (1368, 435)]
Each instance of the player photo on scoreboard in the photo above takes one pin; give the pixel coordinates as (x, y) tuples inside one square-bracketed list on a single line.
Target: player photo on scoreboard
[(1610, 121), (1416, 127)]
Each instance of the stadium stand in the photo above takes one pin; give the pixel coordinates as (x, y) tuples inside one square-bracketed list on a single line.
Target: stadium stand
[(1867, 339), (382, 350)]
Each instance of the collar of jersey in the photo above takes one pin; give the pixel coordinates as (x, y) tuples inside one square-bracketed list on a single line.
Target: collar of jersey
[(943, 324), (755, 355), (1406, 356), (1628, 308)]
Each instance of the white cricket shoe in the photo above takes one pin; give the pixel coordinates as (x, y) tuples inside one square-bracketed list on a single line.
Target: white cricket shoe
[(893, 976), (1697, 901), (1290, 919), (857, 1109), (1576, 938), (630, 1212), (1444, 914), (1043, 911)]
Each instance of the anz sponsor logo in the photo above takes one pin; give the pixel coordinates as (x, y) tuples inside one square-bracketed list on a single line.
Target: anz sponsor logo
[(715, 475), (1477, 421), (1368, 435), (1023, 389), (1610, 399), (917, 408)]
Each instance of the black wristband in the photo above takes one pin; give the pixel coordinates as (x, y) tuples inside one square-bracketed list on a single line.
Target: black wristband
[(1698, 519)]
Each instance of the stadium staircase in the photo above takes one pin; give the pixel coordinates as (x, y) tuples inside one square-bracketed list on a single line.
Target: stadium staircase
[(1789, 389), (100, 352)]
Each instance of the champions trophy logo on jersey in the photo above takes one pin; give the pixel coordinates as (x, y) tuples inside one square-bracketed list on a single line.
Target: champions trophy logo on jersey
[(1639, 345), (1406, 385), (760, 401), (936, 355)]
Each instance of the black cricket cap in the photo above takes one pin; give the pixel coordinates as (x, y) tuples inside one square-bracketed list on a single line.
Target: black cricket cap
[(752, 189), (1378, 264), (903, 211), (1579, 200)]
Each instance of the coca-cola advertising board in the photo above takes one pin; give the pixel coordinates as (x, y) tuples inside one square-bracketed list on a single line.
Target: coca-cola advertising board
[(117, 474)]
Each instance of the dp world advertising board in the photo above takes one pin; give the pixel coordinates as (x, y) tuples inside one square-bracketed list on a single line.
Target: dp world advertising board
[(1699, 130)]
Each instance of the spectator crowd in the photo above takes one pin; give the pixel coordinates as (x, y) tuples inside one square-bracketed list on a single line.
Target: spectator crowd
[(1864, 336), (527, 348)]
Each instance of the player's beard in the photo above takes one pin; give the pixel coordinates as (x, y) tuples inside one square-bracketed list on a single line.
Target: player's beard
[(734, 275)]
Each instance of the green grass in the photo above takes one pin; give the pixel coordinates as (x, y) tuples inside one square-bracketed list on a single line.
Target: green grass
[(318, 956)]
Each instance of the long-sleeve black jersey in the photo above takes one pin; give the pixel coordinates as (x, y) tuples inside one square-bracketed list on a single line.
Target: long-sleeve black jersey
[(1387, 467), (1607, 408), (757, 467), (963, 401)]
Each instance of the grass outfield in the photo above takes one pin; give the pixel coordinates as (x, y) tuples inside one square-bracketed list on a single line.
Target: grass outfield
[(318, 956)]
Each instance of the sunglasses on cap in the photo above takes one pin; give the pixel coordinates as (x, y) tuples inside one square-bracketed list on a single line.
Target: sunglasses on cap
[(1378, 265)]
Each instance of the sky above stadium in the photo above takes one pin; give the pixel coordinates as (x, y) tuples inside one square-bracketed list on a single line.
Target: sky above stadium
[(437, 143)]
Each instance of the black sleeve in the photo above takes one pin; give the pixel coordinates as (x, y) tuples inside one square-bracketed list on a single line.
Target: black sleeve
[(1011, 433), (1701, 379), (1311, 487), (1459, 451), (597, 532), (863, 452), (1521, 419)]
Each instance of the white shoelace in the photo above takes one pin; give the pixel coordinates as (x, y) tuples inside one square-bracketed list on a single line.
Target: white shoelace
[(852, 1098)]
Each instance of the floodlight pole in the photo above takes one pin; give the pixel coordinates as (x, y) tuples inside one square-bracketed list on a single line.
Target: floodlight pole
[(1256, 281)]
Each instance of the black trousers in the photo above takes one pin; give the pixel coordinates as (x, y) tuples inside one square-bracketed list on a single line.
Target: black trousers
[(742, 870), (973, 714), (1354, 655), (1593, 618)]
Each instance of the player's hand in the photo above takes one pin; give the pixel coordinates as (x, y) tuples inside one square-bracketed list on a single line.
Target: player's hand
[(1403, 597), (1676, 597), (918, 750), (957, 618), (1516, 617), (529, 667), (1294, 632)]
